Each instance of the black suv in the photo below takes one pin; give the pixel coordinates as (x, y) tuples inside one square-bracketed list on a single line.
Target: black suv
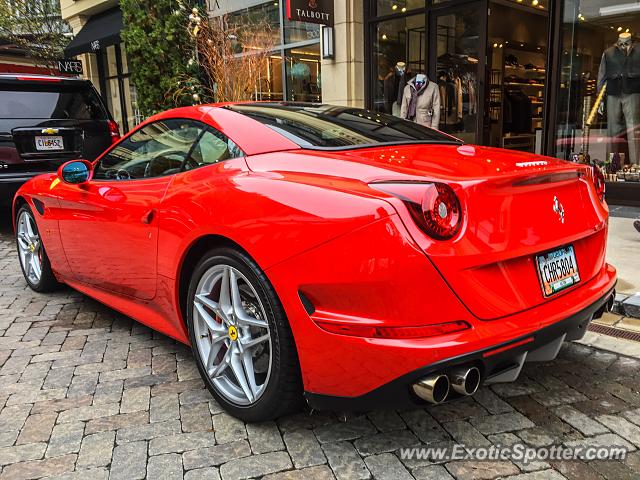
[(45, 121)]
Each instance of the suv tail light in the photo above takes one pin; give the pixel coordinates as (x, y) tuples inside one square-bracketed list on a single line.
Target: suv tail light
[(114, 131), (599, 182), (434, 206)]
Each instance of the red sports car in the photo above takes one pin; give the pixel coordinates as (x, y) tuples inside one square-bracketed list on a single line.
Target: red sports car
[(360, 258)]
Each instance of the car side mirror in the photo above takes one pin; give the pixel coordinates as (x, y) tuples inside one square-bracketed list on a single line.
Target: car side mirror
[(76, 171)]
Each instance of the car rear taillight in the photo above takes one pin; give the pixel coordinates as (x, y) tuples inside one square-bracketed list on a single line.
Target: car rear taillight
[(599, 182), (370, 331), (114, 131), (434, 206)]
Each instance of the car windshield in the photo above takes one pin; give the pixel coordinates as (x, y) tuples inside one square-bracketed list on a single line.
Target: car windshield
[(333, 127), (50, 101)]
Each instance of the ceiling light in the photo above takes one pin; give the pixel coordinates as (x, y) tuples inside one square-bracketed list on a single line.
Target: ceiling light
[(395, 7), (384, 36), (404, 9), (619, 29), (535, 3)]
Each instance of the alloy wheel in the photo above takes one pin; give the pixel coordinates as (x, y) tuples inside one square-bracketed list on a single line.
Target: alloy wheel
[(232, 334), (29, 247)]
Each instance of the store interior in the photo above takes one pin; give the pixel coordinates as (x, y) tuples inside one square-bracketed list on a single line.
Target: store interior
[(517, 55), (601, 126)]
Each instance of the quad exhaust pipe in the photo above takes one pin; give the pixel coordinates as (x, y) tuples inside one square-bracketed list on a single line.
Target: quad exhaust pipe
[(465, 381), (435, 388)]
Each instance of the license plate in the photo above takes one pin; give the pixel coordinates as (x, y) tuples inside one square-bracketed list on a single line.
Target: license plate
[(49, 143), (558, 270)]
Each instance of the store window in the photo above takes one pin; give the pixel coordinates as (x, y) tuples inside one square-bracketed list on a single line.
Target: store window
[(119, 92), (303, 73), (457, 54), (517, 56), (295, 31), (399, 49), (292, 70), (599, 101)]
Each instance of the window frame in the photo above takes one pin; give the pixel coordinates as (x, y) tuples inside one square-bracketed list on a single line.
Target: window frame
[(203, 128)]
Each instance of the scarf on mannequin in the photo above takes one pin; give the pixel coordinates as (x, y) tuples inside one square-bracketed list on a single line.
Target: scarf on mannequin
[(411, 109)]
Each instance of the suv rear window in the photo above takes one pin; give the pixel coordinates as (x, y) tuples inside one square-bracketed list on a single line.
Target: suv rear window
[(50, 101), (333, 127)]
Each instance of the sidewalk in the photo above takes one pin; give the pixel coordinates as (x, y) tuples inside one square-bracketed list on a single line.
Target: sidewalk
[(623, 252)]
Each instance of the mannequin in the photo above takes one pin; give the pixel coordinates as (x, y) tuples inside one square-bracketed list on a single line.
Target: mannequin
[(620, 71), (421, 102), (401, 82)]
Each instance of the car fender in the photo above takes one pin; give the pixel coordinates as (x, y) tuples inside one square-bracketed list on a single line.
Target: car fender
[(271, 216)]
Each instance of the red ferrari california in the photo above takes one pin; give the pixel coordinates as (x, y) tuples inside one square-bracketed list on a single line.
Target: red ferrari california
[(354, 258)]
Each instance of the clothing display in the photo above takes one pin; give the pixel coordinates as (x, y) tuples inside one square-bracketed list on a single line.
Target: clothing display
[(518, 113), (620, 71), (421, 104), (459, 96), (393, 87)]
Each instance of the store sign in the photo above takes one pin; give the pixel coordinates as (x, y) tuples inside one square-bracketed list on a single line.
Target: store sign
[(70, 66), (311, 11)]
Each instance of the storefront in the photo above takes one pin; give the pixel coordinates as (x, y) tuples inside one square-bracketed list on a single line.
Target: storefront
[(293, 70), (518, 74), (98, 44)]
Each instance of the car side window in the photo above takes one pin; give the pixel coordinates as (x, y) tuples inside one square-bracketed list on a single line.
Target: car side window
[(158, 149), (213, 147)]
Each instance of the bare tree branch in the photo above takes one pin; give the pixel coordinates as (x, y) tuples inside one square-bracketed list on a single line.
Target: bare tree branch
[(35, 26)]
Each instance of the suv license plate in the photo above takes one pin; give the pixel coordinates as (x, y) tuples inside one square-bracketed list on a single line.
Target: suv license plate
[(558, 270), (49, 143)]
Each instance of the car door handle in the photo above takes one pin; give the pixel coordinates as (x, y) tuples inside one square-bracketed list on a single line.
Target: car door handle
[(148, 217)]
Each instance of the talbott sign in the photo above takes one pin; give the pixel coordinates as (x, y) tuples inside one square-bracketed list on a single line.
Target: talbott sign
[(311, 11), (70, 66)]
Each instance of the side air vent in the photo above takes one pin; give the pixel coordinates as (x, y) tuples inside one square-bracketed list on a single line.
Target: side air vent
[(306, 303), (39, 206)]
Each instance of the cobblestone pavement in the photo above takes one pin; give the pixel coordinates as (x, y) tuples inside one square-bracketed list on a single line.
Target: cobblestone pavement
[(88, 393)]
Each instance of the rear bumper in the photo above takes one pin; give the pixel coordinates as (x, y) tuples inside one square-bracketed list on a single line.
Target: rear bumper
[(499, 362), (374, 276)]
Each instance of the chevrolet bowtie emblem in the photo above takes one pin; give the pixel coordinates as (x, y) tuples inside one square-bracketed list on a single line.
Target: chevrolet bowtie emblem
[(50, 131)]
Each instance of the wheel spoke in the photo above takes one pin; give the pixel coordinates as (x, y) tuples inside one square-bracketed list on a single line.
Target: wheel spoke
[(35, 266), (22, 240), (247, 320), (225, 299), (30, 230), (247, 361), (211, 322), (255, 341), (238, 371), (27, 264)]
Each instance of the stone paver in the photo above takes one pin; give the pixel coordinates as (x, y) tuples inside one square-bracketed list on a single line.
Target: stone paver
[(87, 393)]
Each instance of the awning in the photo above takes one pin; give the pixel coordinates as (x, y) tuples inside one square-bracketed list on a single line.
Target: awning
[(101, 30)]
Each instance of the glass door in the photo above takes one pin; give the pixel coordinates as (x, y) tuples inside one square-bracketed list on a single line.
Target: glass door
[(457, 39), (517, 65)]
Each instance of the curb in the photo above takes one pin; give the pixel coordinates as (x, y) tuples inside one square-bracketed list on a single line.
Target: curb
[(627, 305)]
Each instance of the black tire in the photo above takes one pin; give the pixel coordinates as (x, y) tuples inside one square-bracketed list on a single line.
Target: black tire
[(47, 281), (283, 393)]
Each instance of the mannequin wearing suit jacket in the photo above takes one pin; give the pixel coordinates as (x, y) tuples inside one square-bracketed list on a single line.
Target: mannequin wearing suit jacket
[(620, 70)]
